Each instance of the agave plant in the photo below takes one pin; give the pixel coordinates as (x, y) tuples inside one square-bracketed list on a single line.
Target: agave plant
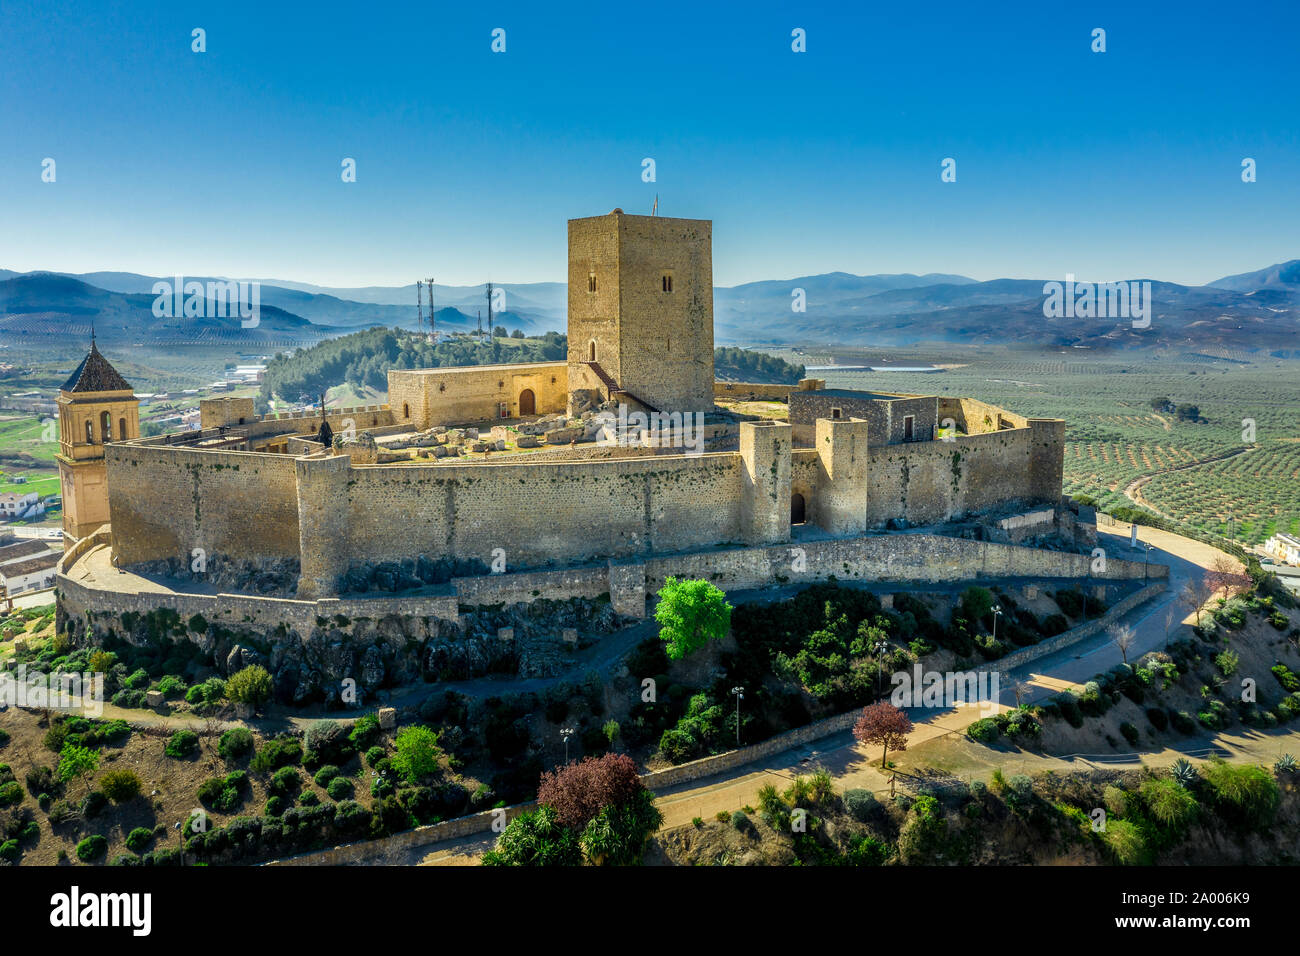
[(1183, 771), (1285, 764)]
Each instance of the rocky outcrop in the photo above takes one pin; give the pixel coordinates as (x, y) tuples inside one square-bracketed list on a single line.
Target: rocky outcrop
[(405, 575), (268, 578), (366, 654)]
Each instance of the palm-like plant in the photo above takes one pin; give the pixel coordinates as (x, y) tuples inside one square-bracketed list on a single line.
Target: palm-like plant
[(1285, 764), (1183, 771)]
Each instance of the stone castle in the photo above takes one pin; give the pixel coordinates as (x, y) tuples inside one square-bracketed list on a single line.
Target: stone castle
[(483, 486)]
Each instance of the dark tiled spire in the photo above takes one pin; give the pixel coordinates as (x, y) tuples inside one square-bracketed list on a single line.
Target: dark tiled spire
[(94, 374)]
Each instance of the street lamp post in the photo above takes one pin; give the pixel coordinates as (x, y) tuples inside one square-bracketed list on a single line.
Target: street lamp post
[(997, 613), (880, 647), (565, 734), (739, 693)]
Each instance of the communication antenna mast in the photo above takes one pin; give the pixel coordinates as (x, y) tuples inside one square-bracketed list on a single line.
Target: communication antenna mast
[(433, 334), (419, 305), (491, 330), (480, 325)]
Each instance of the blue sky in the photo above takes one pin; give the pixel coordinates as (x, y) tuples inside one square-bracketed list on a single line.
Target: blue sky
[(1123, 164)]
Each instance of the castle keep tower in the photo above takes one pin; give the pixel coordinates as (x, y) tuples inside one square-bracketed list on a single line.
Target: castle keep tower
[(641, 310), (96, 406)]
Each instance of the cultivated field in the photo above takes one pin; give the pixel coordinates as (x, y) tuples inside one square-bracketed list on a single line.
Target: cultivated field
[(1202, 473)]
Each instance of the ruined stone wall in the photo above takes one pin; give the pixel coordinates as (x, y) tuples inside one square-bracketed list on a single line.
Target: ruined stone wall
[(458, 396), (978, 418), (925, 482), (166, 501), (886, 415), (751, 392)]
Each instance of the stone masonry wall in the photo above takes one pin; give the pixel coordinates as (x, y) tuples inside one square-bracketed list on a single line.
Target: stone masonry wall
[(166, 500), (457, 396)]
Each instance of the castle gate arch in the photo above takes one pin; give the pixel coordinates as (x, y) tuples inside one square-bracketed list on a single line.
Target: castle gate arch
[(798, 509), (527, 402)]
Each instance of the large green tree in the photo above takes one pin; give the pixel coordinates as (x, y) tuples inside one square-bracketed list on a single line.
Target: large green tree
[(416, 753), (691, 613)]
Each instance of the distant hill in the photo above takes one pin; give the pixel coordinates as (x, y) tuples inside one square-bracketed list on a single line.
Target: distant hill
[(1256, 311), (38, 306), (1284, 275)]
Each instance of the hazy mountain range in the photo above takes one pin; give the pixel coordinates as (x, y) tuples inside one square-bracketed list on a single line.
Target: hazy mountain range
[(1253, 311)]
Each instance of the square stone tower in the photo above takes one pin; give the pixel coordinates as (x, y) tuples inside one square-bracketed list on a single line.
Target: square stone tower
[(97, 406), (641, 310)]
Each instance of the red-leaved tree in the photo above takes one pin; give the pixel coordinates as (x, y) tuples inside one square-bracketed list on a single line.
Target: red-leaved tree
[(577, 791), (885, 725)]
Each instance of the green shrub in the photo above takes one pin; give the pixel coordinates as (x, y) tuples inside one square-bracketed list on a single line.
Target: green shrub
[(275, 754), (1126, 842), (10, 851), (274, 806), (1288, 708), (374, 755), (365, 731), (210, 691), (129, 699), (138, 680), (1069, 708), (1159, 719), (235, 743), (251, 686), (116, 731), (55, 736), (340, 788), (10, 794), (862, 804), (224, 794), (91, 848), (120, 785), (325, 774), (923, 836), (535, 839), (1182, 721), (171, 686), (984, 731), (1116, 800), (285, 780), (1130, 732), (865, 850), (327, 741), (1248, 796), (1168, 803), (93, 804), (309, 798), (138, 839), (182, 744)]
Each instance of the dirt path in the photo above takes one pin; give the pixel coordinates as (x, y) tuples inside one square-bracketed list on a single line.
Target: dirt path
[(1133, 491)]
